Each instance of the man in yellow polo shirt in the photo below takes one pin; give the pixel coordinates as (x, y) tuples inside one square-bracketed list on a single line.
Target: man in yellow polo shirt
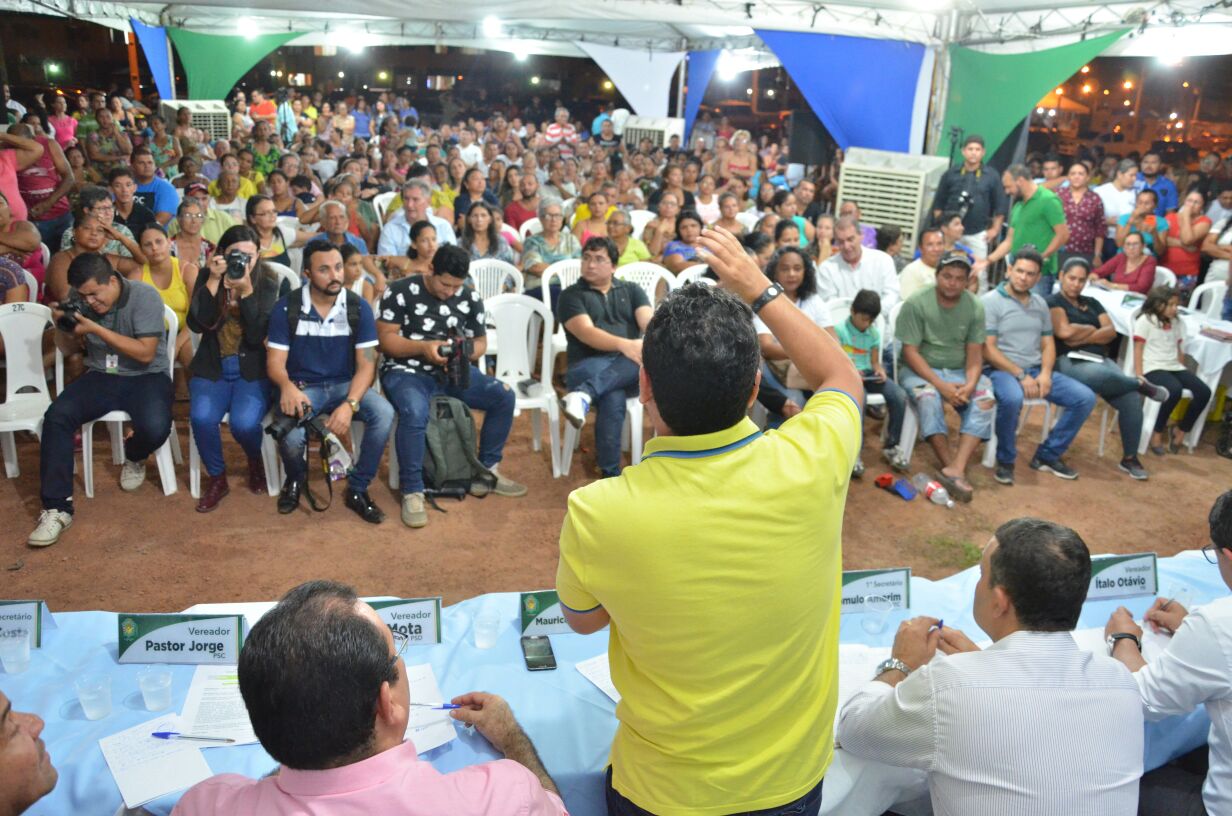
[(717, 560)]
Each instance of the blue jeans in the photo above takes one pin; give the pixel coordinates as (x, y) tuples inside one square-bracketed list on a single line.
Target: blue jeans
[(411, 395), (1227, 307), (246, 401), (1117, 388), (51, 232), (896, 406), (1044, 286), (376, 414), (608, 379), (976, 421), (807, 805), (146, 398), (1077, 400)]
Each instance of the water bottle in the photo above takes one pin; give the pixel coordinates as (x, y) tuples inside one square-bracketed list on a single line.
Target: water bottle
[(932, 490)]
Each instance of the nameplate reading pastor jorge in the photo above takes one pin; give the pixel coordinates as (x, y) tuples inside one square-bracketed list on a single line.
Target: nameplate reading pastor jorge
[(158, 638)]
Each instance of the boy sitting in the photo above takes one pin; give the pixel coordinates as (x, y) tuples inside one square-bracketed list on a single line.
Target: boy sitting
[(862, 342)]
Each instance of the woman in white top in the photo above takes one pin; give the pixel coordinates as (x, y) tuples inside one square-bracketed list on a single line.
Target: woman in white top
[(706, 200), (1158, 337), (1218, 246)]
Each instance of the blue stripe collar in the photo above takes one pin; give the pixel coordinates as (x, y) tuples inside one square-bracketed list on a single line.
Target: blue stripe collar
[(700, 454)]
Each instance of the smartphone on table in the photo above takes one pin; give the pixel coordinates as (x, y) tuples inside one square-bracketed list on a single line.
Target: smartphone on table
[(537, 651)]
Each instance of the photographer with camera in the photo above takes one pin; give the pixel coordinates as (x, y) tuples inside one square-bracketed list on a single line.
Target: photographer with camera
[(974, 191), (230, 309), (119, 324), (432, 329), (322, 358)]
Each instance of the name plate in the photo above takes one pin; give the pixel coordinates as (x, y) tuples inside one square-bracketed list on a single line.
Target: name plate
[(1123, 576), (859, 586), (417, 618), (30, 618), (541, 614), (165, 638)]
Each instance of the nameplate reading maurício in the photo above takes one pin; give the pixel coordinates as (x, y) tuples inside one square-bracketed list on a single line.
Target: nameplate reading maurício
[(541, 613), (28, 618), (861, 586), (214, 639), (419, 619), (1123, 576)]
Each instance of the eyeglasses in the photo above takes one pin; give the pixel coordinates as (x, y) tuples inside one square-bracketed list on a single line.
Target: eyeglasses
[(401, 641), (1209, 552), (103, 208), (553, 215), (193, 217)]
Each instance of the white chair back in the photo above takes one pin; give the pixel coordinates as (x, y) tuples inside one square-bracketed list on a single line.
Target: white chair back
[(1208, 299), (889, 337), (21, 327), (172, 323), (638, 219), (693, 274), (568, 207), (840, 310), (566, 273), (286, 273), (748, 218), (32, 287), (523, 325), (380, 203), (491, 276), (46, 254), (1164, 277), (648, 276), (532, 226)]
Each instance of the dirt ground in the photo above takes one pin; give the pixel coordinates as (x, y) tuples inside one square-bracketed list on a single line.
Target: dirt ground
[(149, 552)]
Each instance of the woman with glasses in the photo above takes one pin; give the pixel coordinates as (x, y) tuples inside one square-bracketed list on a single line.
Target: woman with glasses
[(546, 248), (273, 240), (189, 244), (620, 230)]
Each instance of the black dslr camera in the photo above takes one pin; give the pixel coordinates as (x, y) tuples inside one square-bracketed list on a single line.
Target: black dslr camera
[(457, 369), (964, 203), (309, 420), (68, 321), (237, 264)]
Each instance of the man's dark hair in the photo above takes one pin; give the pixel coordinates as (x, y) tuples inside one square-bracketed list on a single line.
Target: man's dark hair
[(1052, 157), (973, 138), (887, 235), (1221, 522), (701, 357), (866, 302), (310, 674), (89, 266), (1154, 153), (926, 231), (1045, 568), (452, 261), (120, 172), (418, 170), (602, 242), (1020, 171), (302, 181), (140, 150), (1030, 253), (948, 216), (316, 245), (1151, 193)]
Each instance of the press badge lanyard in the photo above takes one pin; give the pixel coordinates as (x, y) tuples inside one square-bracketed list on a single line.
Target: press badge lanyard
[(699, 454)]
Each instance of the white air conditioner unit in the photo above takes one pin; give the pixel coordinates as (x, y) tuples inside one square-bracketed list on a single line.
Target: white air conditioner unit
[(658, 131), (209, 115), (891, 188)]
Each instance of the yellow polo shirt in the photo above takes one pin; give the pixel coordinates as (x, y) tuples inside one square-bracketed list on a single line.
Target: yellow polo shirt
[(719, 560)]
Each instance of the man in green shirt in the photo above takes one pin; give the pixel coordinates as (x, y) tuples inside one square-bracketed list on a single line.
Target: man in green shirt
[(941, 328), (1037, 219)]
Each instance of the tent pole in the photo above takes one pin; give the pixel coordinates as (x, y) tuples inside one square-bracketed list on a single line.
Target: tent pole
[(171, 67), (680, 87), (941, 84)]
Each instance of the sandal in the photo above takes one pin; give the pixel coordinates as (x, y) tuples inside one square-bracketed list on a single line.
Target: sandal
[(958, 487), (1173, 445), (1158, 450)]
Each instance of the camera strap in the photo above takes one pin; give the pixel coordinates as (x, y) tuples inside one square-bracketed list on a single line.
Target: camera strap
[(323, 454)]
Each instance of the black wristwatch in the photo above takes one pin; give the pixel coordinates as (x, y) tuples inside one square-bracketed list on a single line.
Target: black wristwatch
[(772, 291), (1113, 638)]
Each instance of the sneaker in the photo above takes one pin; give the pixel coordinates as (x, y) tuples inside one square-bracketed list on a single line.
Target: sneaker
[(857, 471), (576, 405), (414, 513), (1056, 467), (1004, 474), (132, 475), (51, 524), (895, 459), (1150, 390), (507, 487), (1134, 468)]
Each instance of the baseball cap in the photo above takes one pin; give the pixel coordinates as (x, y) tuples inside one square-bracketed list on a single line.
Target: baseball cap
[(196, 187), (952, 258)]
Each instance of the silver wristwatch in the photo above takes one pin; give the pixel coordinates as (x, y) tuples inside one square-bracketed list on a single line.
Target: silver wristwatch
[(891, 663)]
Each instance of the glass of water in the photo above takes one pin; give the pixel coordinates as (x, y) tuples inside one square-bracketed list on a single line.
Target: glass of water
[(155, 685), (877, 611), (486, 629), (15, 651), (94, 694)]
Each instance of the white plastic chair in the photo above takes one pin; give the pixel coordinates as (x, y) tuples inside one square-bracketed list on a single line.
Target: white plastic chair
[(566, 273), (1208, 299), (911, 420), (269, 458), (989, 459), (289, 225), (693, 274), (380, 203), (491, 276), (1151, 408), (1164, 277), (165, 456), (532, 226), (748, 218), (1126, 362), (21, 327), (638, 219), (288, 274), (525, 325), (46, 254), (32, 287), (649, 276)]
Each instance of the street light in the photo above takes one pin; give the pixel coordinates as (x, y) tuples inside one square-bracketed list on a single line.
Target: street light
[(383, 75), (1128, 84), (341, 74)]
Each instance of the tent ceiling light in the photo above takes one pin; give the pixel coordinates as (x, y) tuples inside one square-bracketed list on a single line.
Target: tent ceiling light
[(492, 28)]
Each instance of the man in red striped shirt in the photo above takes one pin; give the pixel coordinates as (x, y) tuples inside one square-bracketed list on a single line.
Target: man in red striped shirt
[(561, 133)]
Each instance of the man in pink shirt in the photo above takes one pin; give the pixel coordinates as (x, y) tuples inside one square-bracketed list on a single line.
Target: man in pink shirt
[(327, 693)]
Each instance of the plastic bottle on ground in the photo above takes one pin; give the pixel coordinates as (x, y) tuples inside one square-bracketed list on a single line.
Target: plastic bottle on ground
[(932, 490)]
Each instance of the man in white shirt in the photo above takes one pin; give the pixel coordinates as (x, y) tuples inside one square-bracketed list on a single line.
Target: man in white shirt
[(396, 235), (471, 153), (1031, 725), (857, 267), (923, 270), (1195, 669), (1118, 197)]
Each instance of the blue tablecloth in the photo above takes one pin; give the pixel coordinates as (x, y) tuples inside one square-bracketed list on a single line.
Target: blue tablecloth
[(570, 721)]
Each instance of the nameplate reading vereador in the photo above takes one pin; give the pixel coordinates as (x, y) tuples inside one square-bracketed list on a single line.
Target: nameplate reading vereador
[(541, 613), (1123, 576), (419, 619), (30, 618), (859, 586), (167, 638)]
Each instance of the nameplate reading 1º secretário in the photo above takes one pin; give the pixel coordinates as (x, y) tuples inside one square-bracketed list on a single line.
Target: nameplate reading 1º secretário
[(1123, 576), (419, 619), (541, 613), (29, 618), (165, 638), (862, 586)]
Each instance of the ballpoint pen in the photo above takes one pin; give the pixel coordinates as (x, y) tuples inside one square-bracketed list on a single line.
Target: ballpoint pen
[(436, 706), (175, 735)]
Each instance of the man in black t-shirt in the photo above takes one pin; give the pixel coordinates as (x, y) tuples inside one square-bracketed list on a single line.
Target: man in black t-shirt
[(128, 210), (604, 319), (415, 317), (609, 141)]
